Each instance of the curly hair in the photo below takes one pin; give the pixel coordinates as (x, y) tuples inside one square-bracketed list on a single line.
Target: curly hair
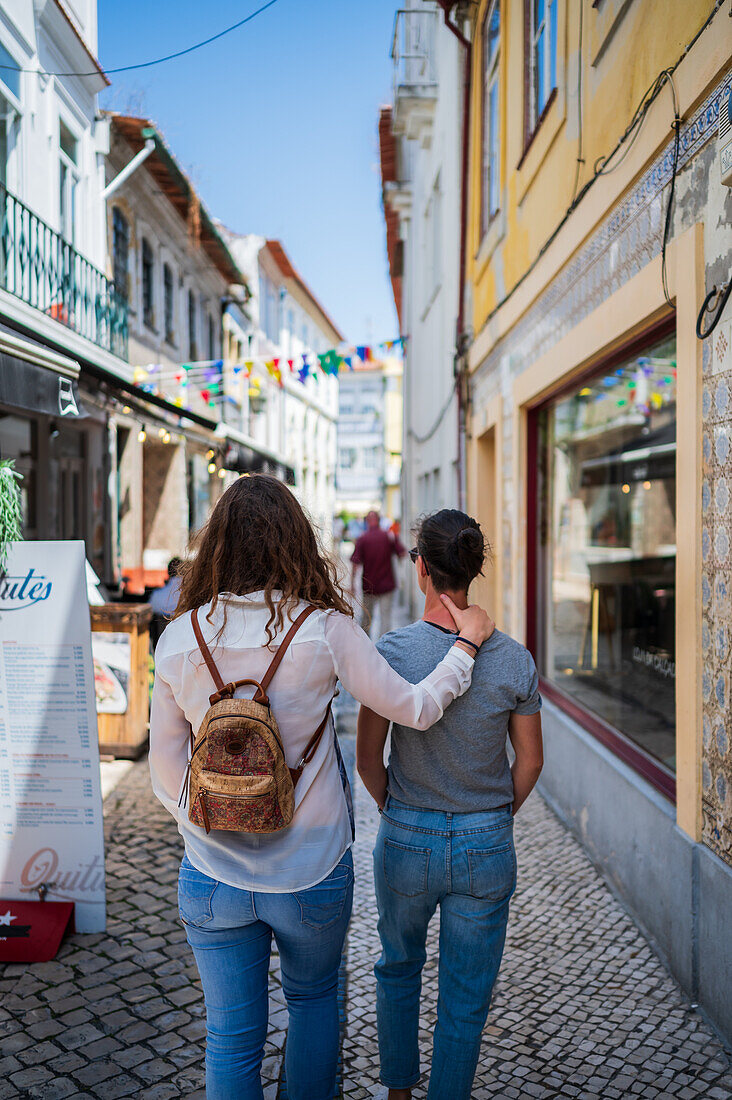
[(258, 538)]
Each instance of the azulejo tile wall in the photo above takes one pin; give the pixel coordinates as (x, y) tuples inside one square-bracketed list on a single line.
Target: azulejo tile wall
[(717, 592)]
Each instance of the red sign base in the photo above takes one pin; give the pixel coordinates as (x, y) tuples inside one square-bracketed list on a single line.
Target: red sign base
[(32, 931)]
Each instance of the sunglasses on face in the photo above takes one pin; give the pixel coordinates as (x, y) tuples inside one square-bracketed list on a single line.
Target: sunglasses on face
[(414, 554)]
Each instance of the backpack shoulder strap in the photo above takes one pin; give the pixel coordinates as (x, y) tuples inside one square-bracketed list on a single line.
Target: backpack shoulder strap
[(205, 651), (267, 678), (311, 746)]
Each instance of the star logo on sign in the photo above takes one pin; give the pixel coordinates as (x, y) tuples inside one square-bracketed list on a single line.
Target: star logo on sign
[(6, 918)]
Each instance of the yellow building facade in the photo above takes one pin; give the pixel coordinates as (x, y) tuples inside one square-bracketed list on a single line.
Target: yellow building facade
[(599, 453)]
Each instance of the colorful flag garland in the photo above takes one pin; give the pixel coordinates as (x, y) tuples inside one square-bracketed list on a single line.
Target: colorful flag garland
[(206, 376)]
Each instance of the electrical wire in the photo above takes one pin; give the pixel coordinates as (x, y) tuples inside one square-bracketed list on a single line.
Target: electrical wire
[(580, 159), (443, 413), (157, 60), (671, 190), (716, 300), (632, 131)]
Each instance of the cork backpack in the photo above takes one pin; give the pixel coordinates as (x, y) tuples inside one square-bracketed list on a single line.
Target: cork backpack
[(238, 779)]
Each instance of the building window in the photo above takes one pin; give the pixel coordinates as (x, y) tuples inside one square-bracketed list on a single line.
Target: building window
[(211, 338), (120, 252), (192, 346), (168, 300), (68, 182), (491, 114), (541, 57), (432, 241), (606, 552), (148, 280)]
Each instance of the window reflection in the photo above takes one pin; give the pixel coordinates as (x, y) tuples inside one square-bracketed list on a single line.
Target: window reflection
[(608, 530)]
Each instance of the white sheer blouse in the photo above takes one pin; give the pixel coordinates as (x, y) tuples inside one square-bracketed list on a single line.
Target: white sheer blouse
[(328, 647)]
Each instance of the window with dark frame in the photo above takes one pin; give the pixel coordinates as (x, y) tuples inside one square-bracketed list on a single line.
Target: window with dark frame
[(491, 138), (211, 338), (541, 58), (148, 284), (603, 577), (192, 347), (168, 303), (120, 252)]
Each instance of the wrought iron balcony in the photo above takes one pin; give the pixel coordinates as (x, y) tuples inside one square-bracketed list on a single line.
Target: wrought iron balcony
[(414, 71), (44, 270)]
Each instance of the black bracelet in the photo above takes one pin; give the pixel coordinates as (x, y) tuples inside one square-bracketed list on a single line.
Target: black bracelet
[(468, 642)]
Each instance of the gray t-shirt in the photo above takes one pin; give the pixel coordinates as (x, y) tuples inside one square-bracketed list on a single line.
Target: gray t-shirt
[(460, 764)]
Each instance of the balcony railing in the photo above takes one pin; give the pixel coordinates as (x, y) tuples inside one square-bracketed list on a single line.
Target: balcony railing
[(413, 52), (44, 270)]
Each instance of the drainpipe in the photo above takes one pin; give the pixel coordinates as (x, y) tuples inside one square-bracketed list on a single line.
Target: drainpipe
[(460, 335), (134, 164)]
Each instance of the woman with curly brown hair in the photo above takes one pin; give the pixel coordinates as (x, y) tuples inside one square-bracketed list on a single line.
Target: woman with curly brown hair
[(257, 567)]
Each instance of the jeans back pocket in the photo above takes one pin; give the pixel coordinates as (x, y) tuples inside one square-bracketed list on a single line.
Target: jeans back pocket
[(195, 895), (322, 905), (492, 872), (405, 868)]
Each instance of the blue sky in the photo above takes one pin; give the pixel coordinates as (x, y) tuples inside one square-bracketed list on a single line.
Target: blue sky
[(277, 126)]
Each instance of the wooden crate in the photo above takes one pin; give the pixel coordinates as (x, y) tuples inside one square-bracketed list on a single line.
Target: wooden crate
[(123, 733)]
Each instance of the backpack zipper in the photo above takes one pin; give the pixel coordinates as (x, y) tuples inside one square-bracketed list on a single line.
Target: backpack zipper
[(259, 720), (202, 791)]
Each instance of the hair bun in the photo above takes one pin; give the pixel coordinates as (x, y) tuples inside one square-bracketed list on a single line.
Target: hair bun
[(469, 537)]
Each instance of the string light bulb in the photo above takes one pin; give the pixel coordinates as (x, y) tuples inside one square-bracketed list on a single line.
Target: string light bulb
[(212, 467), (142, 435), (209, 455), (126, 410), (626, 488), (222, 472), (166, 437), (161, 432)]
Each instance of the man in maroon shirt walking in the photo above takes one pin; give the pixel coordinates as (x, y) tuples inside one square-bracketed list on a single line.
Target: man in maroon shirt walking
[(374, 551)]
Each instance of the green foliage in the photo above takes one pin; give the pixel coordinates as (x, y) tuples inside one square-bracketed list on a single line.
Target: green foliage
[(11, 522)]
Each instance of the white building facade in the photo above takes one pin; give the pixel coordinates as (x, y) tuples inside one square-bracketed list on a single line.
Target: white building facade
[(62, 323), (420, 155), (291, 413)]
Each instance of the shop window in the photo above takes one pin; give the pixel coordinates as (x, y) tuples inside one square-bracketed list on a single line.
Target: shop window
[(120, 252), (168, 303), (541, 58), (606, 553), (148, 284), (491, 114), (19, 442)]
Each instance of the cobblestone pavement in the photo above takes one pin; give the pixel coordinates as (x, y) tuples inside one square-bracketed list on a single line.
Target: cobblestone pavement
[(583, 1007), (120, 1014)]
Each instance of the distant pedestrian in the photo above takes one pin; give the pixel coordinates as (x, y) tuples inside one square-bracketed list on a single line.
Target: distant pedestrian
[(256, 576), (375, 551), (446, 831), (164, 601)]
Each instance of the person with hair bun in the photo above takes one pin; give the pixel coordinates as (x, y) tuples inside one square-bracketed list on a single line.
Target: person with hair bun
[(256, 571), (447, 802)]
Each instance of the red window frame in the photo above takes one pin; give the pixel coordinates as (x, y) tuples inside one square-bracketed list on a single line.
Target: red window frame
[(659, 776)]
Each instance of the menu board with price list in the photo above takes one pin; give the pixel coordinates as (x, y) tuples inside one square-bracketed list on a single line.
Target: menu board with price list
[(51, 826)]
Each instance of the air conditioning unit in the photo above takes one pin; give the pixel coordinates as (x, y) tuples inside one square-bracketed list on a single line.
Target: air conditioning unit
[(724, 138)]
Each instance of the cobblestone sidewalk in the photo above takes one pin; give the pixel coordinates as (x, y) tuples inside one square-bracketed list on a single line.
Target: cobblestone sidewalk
[(583, 1007)]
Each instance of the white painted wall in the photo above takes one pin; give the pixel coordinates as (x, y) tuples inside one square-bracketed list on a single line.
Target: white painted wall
[(298, 421), (430, 219), (38, 37)]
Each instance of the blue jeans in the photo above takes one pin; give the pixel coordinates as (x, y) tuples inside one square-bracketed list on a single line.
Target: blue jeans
[(231, 932), (466, 864)]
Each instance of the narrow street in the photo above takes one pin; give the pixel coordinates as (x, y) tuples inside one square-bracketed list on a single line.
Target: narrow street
[(583, 1006)]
